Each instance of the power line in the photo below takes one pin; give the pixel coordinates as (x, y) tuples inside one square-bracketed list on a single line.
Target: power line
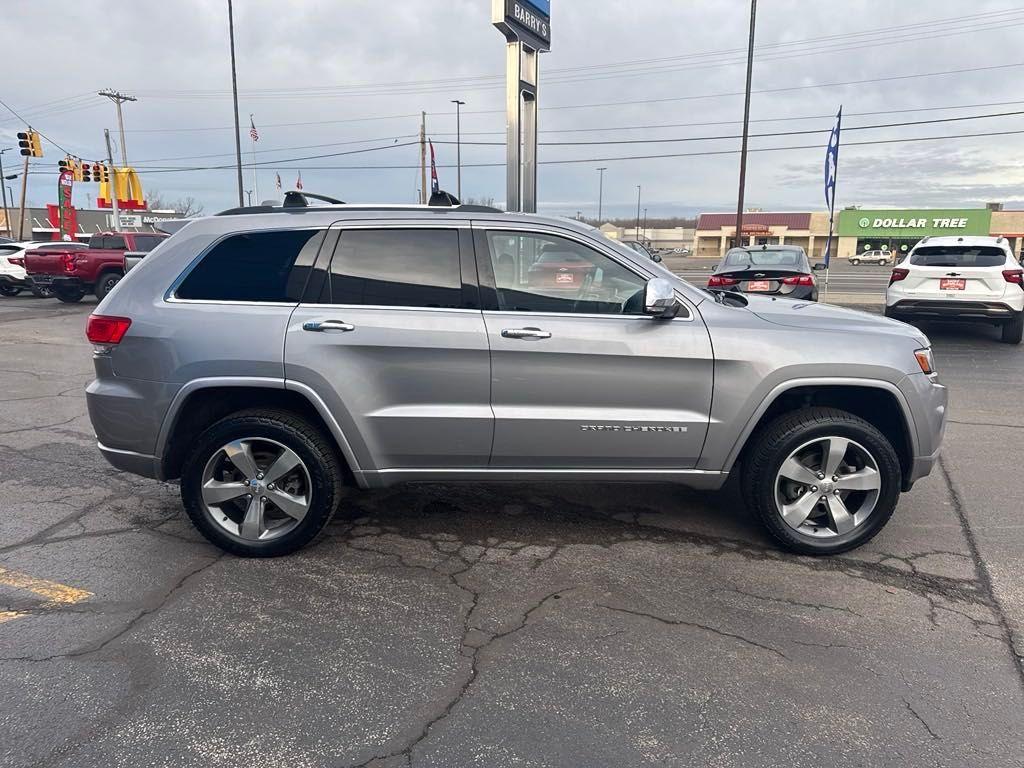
[(9, 109)]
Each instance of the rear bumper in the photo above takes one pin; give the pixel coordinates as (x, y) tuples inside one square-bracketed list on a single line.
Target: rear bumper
[(982, 311), (130, 461), (17, 282), (59, 282)]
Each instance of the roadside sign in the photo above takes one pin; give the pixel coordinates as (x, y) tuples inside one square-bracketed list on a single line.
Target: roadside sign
[(528, 21)]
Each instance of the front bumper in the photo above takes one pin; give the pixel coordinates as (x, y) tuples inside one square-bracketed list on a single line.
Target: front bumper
[(929, 405), (926, 309)]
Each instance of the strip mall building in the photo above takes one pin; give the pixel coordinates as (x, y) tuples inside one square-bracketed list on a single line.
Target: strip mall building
[(857, 229)]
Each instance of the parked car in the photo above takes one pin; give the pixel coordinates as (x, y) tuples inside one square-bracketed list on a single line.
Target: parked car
[(13, 278), (71, 273), (883, 258), (642, 249), (772, 270), (269, 357), (965, 279)]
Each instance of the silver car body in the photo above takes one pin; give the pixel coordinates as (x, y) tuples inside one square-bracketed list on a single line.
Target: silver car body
[(444, 394)]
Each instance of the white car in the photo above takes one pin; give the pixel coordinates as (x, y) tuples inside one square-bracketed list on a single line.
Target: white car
[(884, 258), (13, 279), (960, 278)]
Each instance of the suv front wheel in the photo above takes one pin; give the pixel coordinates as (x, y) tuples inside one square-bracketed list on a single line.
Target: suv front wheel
[(261, 483), (822, 480)]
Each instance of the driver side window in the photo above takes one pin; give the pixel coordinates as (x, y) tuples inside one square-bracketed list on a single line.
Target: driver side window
[(536, 272)]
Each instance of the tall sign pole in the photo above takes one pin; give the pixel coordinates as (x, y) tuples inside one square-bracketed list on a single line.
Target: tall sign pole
[(234, 96), (526, 26), (423, 159), (600, 194), (3, 191), (114, 186), (458, 143), (746, 125)]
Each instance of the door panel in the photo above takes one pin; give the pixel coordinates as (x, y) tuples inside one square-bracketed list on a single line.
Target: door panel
[(409, 383)]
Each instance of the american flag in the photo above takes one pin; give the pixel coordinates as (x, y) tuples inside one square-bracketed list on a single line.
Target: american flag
[(253, 133), (298, 181), (435, 186)]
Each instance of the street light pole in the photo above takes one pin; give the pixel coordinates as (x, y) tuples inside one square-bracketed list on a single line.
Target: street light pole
[(637, 228), (746, 124), (600, 195), (234, 96), (3, 188), (458, 143)]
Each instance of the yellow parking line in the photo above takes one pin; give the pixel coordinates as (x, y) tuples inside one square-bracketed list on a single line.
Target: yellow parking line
[(54, 592)]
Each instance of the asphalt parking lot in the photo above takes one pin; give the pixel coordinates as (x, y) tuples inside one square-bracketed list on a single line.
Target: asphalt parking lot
[(516, 625)]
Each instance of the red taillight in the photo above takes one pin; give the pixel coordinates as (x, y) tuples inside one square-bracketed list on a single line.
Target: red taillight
[(799, 280), (69, 261), (717, 282), (18, 261), (1015, 276), (898, 274), (101, 329)]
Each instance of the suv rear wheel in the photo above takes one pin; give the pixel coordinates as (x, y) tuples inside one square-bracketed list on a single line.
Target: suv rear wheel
[(1013, 331), (822, 480), (261, 483)]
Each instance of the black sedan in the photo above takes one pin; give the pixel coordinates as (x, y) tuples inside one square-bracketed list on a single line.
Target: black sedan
[(771, 270)]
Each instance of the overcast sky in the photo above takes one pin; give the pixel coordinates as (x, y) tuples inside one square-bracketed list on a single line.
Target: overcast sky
[(339, 63)]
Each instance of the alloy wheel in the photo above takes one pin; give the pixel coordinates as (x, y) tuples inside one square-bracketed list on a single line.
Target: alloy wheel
[(827, 487), (256, 489)]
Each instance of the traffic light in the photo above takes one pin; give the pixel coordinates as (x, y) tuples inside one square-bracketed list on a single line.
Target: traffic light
[(101, 173), (72, 164), (87, 171), (29, 144)]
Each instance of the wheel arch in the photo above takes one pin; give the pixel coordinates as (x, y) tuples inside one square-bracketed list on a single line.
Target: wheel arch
[(204, 401), (880, 403)]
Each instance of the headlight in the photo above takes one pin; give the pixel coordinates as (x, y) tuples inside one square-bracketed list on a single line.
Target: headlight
[(926, 360)]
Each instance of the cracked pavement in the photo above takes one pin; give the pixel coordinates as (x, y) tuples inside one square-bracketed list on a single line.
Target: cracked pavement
[(520, 625)]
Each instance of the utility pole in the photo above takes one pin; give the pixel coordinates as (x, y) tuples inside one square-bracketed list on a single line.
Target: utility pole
[(600, 195), (119, 99), (645, 226), (7, 212), (234, 96), (113, 182), (423, 158), (458, 142), (636, 229), (746, 125), (24, 191)]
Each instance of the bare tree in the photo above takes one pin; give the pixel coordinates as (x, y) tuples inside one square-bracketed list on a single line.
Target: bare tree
[(488, 201), (186, 207)]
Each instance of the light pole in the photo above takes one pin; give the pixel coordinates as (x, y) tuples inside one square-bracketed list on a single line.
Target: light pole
[(458, 143), (645, 226), (746, 124), (600, 195), (234, 96), (3, 188), (637, 228)]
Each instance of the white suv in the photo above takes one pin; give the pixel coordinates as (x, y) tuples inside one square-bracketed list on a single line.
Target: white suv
[(960, 278), (884, 258)]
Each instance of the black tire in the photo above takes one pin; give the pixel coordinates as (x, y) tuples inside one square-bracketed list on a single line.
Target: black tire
[(316, 451), (1013, 331), (9, 290), (42, 291), (855, 262), (773, 444), (105, 284), (69, 297)]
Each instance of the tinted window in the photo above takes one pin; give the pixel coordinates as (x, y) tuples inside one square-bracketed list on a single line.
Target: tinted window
[(147, 242), (97, 241), (768, 258), (257, 266), (396, 268), (546, 273), (116, 243), (958, 256)]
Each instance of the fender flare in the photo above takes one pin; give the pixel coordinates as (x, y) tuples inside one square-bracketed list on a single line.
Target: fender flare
[(786, 386)]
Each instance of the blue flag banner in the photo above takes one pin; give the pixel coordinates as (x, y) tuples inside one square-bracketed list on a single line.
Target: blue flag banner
[(831, 170)]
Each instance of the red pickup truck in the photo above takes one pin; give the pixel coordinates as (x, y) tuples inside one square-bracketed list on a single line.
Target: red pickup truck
[(70, 274)]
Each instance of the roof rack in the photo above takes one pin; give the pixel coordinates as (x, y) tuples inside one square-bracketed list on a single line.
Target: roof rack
[(298, 202)]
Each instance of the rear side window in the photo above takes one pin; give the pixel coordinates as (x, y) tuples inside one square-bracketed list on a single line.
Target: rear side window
[(958, 256), (147, 242), (255, 266), (116, 243), (396, 268), (97, 241)]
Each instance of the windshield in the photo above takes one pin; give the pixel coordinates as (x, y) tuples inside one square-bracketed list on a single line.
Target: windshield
[(958, 256), (763, 258)]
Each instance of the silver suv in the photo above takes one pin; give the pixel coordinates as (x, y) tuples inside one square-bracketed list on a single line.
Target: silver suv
[(269, 357)]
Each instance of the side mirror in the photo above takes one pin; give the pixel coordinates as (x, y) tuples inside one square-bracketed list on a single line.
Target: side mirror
[(660, 298), (820, 266)]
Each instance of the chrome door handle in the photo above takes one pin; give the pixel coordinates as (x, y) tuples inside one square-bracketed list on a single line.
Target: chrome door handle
[(525, 333), (324, 326)]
